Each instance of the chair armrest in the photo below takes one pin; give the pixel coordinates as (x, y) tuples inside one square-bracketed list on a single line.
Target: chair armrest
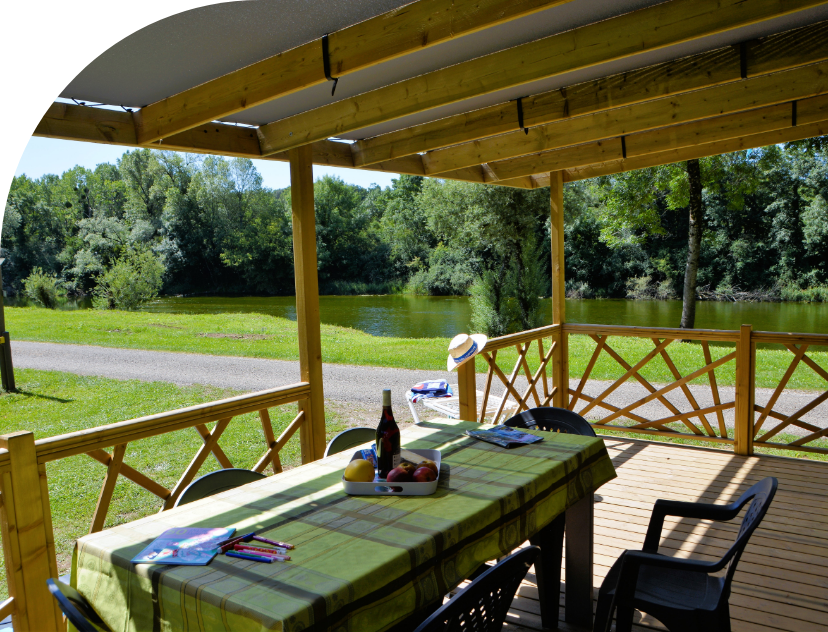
[(637, 559), (703, 511)]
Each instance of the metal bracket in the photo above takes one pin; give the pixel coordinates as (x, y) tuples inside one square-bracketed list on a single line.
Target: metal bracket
[(520, 115), (326, 63)]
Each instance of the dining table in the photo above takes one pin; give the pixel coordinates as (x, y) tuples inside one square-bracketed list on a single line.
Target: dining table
[(362, 563)]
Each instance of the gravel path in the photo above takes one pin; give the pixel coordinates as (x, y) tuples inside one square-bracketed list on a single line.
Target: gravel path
[(355, 385)]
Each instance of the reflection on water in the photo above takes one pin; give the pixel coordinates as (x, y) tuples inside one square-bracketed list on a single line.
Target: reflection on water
[(444, 316)]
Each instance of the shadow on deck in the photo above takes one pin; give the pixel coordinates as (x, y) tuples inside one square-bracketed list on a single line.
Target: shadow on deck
[(782, 579)]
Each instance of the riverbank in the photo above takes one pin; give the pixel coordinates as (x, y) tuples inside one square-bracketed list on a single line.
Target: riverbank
[(262, 336)]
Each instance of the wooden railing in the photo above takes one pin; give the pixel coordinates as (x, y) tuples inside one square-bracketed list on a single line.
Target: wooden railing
[(692, 404), (25, 513)]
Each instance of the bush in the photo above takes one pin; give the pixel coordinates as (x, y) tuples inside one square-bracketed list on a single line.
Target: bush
[(508, 300), (134, 279), (817, 294), (44, 289), (647, 288)]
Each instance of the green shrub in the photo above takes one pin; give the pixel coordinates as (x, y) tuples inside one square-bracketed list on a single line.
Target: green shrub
[(816, 294), (135, 278), (44, 289)]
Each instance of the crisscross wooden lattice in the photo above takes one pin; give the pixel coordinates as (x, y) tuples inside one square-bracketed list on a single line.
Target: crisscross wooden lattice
[(512, 400), (807, 432), (118, 436), (686, 416)]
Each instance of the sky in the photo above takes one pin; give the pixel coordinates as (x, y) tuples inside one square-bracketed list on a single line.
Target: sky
[(50, 155)]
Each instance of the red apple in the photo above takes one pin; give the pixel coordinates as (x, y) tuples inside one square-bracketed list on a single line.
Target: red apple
[(429, 464), (424, 475), (399, 475)]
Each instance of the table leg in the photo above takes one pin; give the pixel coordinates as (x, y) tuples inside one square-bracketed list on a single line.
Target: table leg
[(548, 570), (579, 550)]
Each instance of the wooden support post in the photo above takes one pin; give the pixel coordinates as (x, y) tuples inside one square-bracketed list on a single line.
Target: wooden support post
[(745, 393), (312, 432), (467, 391), (25, 522), (560, 357)]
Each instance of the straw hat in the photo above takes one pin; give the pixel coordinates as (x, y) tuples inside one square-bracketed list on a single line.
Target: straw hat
[(464, 347)]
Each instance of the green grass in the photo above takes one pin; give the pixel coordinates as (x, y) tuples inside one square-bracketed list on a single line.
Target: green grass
[(51, 403), (263, 336)]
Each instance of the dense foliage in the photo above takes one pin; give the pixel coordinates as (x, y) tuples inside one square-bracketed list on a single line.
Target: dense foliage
[(187, 224)]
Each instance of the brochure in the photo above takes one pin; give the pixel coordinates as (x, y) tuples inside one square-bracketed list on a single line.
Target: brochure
[(504, 436), (186, 546)]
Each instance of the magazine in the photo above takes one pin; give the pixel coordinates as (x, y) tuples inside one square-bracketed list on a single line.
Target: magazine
[(504, 436), (186, 546)]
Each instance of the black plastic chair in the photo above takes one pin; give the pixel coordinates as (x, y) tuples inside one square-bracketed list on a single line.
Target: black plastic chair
[(482, 606), (75, 607), (215, 482), (552, 419), (682, 594), (350, 438)]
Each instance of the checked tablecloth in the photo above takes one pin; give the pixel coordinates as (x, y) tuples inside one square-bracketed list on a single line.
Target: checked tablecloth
[(361, 563)]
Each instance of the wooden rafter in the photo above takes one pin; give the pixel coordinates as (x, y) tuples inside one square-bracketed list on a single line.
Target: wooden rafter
[(99, 125), (721, 66), (665, 24), (724, 146), (515, 154), (401, 31)]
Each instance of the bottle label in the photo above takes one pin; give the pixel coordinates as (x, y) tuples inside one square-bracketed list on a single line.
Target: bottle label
[(396, 459)]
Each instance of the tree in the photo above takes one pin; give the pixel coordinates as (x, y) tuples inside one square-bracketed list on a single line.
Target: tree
[(639, 207)]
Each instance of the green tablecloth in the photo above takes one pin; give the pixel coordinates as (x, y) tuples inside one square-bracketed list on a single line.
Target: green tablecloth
[(360, 563)]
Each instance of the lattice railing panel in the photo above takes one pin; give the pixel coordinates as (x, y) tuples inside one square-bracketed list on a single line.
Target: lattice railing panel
[(524, 387), (633, 403), (108, 445), (782, 428)]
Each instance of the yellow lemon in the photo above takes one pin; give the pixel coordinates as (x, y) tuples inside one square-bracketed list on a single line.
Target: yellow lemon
[(359, 471)]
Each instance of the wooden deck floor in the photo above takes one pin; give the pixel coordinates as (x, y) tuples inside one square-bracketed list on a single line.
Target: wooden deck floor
[(782, 580)]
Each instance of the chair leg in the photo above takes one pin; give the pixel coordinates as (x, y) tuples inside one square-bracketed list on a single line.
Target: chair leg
[(603, 614), (623, 618)]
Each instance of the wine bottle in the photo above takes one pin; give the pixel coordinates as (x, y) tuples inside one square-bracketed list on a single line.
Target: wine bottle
[(388, 438)]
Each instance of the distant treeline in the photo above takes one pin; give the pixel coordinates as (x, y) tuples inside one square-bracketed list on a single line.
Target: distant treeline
[(212, 227)]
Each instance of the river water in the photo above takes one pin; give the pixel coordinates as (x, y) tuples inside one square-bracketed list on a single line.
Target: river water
[(444, 316)]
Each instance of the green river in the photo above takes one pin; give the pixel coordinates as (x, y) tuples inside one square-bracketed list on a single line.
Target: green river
[(443, 316)]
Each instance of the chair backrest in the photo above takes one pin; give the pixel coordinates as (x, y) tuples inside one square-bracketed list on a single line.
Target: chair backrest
[(75, 607), (215, 482), (350, 438), (552, 419), (760, 496), (483, 605)]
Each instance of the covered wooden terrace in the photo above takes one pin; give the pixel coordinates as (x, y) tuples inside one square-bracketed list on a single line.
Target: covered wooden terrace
[(518, 93)]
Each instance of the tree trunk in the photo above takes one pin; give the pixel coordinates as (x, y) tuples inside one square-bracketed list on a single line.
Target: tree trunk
[(694, 237)]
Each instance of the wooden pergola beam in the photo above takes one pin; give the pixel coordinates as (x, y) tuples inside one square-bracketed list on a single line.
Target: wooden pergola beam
[(724, 65), (781, 87), (407, 29), (665, 24), (800, 132), (112, 127), (648, 148)]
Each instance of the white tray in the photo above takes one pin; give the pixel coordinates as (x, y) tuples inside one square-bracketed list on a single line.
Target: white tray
[(381, 488)]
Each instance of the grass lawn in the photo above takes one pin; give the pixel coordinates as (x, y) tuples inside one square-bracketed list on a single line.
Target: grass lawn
[(51, 403), (263, 336)]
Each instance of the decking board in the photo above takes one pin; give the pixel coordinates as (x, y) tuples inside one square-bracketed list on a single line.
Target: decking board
[(782, 580)]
